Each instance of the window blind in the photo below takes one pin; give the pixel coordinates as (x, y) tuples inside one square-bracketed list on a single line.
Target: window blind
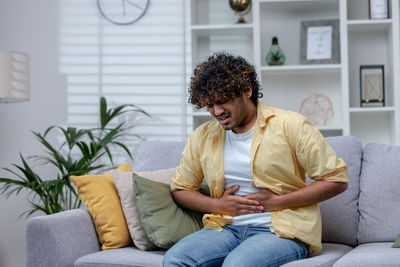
[(142, 63)]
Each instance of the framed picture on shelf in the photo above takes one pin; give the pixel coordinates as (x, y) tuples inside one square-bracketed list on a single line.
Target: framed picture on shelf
[(319, 42), (372, 85), (378, 9)]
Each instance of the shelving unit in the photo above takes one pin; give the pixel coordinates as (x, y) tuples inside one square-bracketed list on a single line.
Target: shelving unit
[(373, 42), (362, 42)]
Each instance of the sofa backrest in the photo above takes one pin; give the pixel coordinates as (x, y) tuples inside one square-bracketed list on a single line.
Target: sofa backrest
[(157, 155), (379, 201), (340, 214)]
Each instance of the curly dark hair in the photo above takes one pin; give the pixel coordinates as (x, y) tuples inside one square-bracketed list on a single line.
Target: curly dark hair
[(222, 76)]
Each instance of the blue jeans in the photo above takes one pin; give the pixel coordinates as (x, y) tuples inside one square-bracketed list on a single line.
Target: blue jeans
[(235, 245)]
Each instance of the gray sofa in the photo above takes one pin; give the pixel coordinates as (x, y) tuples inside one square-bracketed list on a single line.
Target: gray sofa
[(359, 226)]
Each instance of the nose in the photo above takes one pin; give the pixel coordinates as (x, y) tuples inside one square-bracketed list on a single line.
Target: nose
[(218, 110)]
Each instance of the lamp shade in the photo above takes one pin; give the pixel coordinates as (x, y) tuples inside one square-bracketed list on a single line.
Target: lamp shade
[(14, 77)]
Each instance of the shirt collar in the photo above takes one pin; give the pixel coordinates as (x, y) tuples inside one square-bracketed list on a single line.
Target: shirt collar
[(264, 113), (216, 128)]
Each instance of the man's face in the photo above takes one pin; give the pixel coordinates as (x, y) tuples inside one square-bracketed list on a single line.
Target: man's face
[(234, 114)]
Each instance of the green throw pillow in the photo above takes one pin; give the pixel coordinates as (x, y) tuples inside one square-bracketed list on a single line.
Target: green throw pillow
[(162, 219), (396, 243)]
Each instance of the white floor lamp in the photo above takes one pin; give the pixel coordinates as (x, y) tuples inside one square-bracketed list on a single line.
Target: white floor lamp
[(14, 77)]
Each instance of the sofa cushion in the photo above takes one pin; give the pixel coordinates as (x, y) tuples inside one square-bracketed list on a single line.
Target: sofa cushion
[(371, 255), (101, 198), (396, 243), (379, 194), (156, 155), (340, 214), (163, 220), (121, 257), (124, 184), (326, 258)]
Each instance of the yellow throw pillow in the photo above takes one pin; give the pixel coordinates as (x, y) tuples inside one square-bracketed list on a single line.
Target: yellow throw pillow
[(101, 198)]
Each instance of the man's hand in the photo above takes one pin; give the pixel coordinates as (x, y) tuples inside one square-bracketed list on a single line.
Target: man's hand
[(230, 204), (263, 201), (316, 192), (268, 199)]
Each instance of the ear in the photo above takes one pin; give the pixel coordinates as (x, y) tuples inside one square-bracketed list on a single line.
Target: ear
[(249, 91)]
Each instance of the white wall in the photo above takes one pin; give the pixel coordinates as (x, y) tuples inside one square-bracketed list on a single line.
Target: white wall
[(32, 27)]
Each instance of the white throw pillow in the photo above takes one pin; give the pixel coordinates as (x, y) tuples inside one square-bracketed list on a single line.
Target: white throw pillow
[(123, 183)]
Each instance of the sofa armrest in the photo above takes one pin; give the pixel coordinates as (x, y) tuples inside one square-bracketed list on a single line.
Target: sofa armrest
[(59, 239)]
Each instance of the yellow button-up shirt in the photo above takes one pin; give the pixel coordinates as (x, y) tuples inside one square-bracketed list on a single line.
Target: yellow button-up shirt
[(284, 148)]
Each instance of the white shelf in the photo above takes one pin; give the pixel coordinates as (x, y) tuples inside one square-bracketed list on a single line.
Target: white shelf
[(301, 69), (369, 25), (222, 26), (222, 29), (282, 1), (290, 1), (373, 109), (201, 114), (327, 128), (317, 5)]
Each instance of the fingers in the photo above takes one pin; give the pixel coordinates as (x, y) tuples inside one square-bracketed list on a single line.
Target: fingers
[(252, 197), (259, 188), (232, 190), (245, 209), (244, 200), (247, 206), (239, 205)]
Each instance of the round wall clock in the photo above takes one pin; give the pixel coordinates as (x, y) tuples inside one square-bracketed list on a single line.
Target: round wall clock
[(123, 12)]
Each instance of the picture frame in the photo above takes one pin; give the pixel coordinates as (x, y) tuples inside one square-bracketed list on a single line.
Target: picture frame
[(320, 42), (378, 9), (372, 85)]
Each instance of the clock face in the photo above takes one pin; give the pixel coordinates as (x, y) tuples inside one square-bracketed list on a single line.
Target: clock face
[(122, 12)]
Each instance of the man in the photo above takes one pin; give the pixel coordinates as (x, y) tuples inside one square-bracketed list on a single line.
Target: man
[(254, 159)]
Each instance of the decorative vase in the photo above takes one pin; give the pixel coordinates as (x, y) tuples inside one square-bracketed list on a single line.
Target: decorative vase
[(275, 55)]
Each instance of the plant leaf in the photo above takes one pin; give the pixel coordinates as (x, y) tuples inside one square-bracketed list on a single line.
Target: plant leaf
[(81, 151)]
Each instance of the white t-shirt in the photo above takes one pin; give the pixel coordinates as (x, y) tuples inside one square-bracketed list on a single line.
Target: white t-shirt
[(238, 172)]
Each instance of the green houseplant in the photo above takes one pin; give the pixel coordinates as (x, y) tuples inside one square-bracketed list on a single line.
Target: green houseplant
[(81, 151)]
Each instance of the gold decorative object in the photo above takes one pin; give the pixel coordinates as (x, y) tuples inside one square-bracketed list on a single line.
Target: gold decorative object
[(372, 86), (241, 8), (317, 108)]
